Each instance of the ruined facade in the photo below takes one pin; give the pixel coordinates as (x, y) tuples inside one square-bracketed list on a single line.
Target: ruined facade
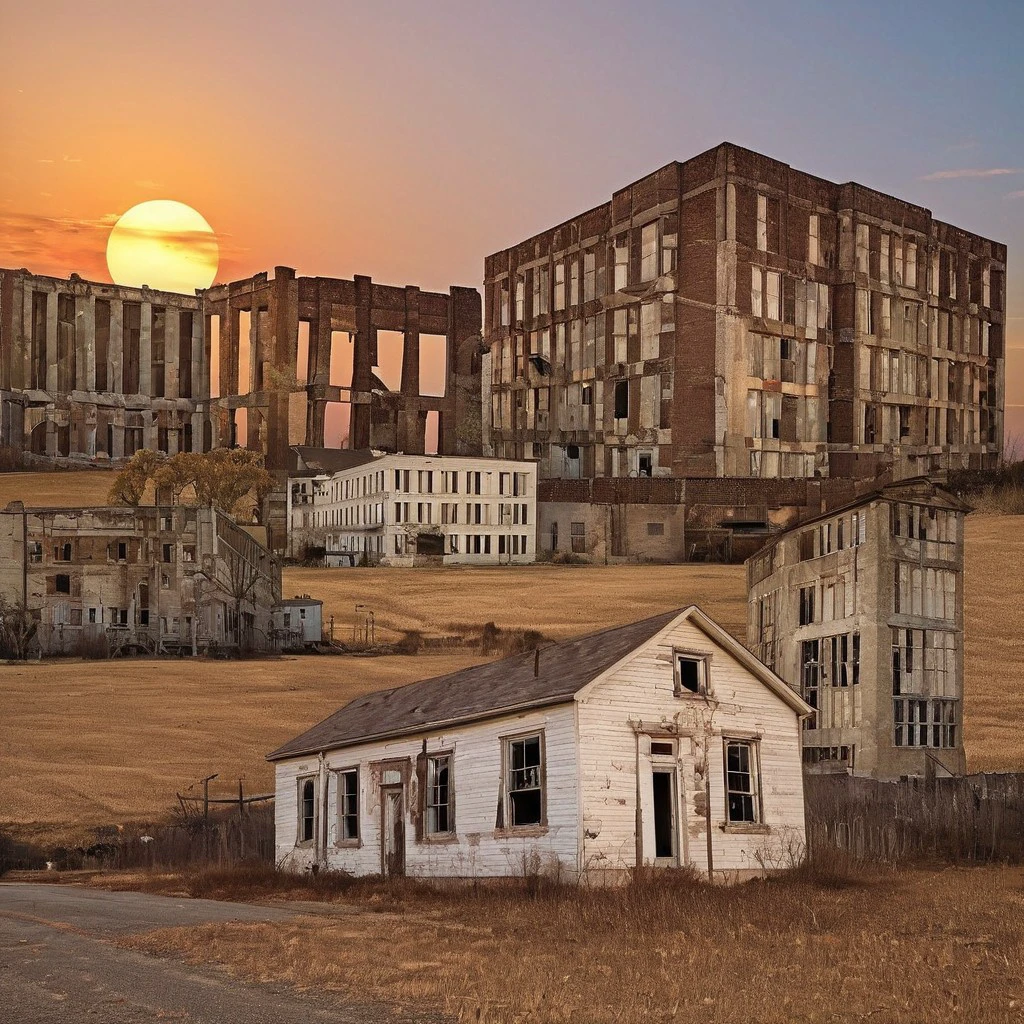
[(861, 611), (149, 579), (93, 372), (730, 316)]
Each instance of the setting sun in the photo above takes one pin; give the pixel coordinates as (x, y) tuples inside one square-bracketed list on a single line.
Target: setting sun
[(164, 244)]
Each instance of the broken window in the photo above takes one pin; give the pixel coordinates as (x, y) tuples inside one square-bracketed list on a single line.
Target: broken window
[(806, 599), (307, 810), (589, 275), (520, 298), (559, 296), (35, 551), (348, 805), (621, 258), (622, 399), (774, 285), (810, 675), (62, 583), (439, 819), (813, 249), (524, 760), (649, 251), (743, 799), (691, 674), (762, 223), (578, 537)]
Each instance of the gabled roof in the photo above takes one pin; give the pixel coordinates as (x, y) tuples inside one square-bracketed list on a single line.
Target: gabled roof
[(508, 685)]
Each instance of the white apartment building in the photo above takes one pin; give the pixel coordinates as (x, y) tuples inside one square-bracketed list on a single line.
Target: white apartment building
[(408, 509)]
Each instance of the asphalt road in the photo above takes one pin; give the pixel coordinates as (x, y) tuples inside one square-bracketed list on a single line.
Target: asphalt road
[(57, 964)]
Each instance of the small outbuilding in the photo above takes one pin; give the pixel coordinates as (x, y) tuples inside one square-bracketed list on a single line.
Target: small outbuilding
[(298, 621), (662, 743)]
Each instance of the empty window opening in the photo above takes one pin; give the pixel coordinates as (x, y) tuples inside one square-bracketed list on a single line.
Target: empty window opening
[(215, 356), (158, 352), (336, 423), (240, 428), (102, 343), (243, 382), (185, 323), (433, 364), (302, 354), (66, 322), (691, 674), (39, 340), (664, 815), (431, 435), (622, 399), (342, 359), (62, 584), (390, 356)]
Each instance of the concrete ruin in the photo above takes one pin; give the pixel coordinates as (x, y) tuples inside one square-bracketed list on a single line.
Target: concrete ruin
[(153, 579), (92, 372), (861, 611)]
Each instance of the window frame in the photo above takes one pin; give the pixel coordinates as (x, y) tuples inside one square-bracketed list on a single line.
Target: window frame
[(506, 826), (438, 835), (340, 839), (300, 816), (703, 660), (756, 793)]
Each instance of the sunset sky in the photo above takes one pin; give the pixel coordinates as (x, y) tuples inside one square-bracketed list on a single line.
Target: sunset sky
[(407, 141)]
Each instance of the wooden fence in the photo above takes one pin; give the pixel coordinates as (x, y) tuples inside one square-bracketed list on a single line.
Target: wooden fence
[(971, 819)]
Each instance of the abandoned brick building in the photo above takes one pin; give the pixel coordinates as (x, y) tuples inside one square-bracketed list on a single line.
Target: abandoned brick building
[(730, 318), (861, 611), (153, 579), (93, 372)]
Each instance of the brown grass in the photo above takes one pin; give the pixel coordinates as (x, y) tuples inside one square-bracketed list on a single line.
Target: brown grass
[(57, 488), (910, 946), (90, 743)]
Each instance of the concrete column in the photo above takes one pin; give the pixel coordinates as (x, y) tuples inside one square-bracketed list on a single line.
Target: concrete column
[(149, 428), (117, 422), (146, 350), (229, 351), (172, 326), (51, 348), (197, 432), (85, 343), (115, 349), (411, 346)]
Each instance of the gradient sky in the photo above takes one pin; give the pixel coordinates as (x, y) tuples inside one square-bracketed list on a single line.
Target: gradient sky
[(407, 141)]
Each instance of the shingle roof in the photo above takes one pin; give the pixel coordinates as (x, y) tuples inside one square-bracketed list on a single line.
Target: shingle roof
[(478, 692)]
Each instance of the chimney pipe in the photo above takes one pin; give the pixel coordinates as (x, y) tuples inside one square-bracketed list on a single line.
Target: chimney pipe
[(536, 662)]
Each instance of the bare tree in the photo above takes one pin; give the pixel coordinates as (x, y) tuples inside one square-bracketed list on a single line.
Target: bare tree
[(18, 628)]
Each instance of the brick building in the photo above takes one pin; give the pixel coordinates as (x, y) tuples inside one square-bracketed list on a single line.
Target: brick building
[(732, 317), (153, 578), (861, 611)]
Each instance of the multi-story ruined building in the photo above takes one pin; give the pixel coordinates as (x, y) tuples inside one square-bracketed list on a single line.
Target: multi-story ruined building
[(93, 372), (861, 611), (730, 316), (397, 509), (156, 578)]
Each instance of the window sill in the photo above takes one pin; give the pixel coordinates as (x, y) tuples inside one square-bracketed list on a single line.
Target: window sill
[(521, 832), (347, 844), (440, 839), (750, 829)]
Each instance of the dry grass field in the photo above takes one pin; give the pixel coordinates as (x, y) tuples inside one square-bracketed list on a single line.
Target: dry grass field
[(91, 743), (57, 489), (909, 946)]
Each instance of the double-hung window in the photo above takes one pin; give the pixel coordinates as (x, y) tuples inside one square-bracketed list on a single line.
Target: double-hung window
[(524, 767), (439, 817), (742, 788), (307, 810), (348, 805)]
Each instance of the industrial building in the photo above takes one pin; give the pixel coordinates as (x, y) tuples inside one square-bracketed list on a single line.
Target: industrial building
[(153, 579), (731, 318), (861, 611)]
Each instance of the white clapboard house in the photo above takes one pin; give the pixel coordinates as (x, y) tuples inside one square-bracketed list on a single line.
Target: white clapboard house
[(663, 743)]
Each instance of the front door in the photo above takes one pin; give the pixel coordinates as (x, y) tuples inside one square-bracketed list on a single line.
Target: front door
[(663, 801), (393, 832)]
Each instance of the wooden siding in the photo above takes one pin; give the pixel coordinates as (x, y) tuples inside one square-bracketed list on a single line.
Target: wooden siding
[(619, 713), (477, 849)]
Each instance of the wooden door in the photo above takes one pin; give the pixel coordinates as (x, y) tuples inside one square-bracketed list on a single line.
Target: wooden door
[(393, 831)]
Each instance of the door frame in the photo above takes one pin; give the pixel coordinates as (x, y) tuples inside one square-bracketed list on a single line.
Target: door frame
[(389, 793)]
